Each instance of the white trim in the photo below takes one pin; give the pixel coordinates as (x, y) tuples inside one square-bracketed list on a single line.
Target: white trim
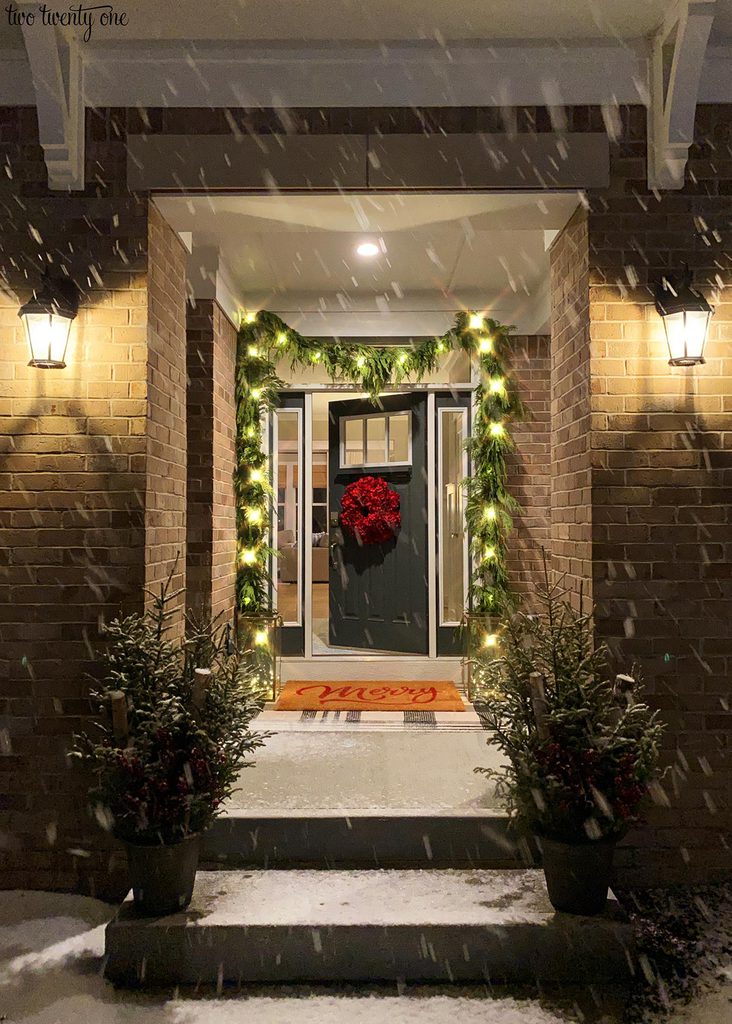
[(307, 538), (675, 71), (432, 538), (419, 73), (372, 667), (390, 389), (440, 483), (365, 464), (57, 70), (298, 508)]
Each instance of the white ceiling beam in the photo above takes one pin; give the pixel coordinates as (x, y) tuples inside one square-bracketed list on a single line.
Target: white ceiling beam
[(676, 62), (214, 74), (57, 71)]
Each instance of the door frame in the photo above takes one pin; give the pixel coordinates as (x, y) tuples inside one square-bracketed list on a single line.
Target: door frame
[(432, 539)]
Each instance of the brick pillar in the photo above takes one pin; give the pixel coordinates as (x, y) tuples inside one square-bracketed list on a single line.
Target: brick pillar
[(211, 460), (529, 479), (657, 457), (165, 496), (90, 489), (571, 509)]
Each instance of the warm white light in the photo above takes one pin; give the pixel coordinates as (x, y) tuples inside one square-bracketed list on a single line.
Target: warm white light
[(256, 394), (253, 351), (361, 361), (476, 321), (254, 515), (260, 638), (403, 358), (686, 335), (47, 335), (368, 249), (251, 431), (316, 357), (486, 344), (496, 429), (498, 385), (282, 338), (47, 318), (490, 553), (250, 316), (249, 556), (490, 512), (490, 640), (256, 476)]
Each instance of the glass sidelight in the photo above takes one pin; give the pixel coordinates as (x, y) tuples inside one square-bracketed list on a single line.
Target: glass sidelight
[(288, 565), (452, 469)]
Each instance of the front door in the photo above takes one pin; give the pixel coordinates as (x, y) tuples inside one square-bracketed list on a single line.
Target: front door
[(378, 593)]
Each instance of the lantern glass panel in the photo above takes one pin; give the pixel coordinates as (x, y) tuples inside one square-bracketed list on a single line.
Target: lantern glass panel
[(686, 334), (47, 335)]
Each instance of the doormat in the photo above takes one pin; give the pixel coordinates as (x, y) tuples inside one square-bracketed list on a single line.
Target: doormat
[(354, 695)]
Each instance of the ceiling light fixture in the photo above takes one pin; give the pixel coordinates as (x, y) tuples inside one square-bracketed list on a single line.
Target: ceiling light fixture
[(368, 249)]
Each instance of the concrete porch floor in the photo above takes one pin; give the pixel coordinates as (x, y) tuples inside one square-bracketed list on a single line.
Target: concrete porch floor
[(384, 772)]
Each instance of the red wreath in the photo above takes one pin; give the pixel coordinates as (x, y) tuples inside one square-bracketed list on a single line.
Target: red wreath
[(370, 510)]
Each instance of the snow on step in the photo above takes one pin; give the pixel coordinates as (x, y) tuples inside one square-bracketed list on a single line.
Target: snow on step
[(441, 925)]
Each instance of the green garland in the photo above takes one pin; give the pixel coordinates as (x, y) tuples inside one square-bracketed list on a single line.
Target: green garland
[(264, 339)]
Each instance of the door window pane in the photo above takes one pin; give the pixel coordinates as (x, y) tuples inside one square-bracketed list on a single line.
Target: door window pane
[(376, 440), (399, 438), (353, 442), (452, 539)]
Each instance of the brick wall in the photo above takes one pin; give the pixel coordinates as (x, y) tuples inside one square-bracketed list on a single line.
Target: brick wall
[(571, 510), (662, 484), (223, 559), (72, 486), (165, 497), (211, 460), (81, 452), (529, 478)]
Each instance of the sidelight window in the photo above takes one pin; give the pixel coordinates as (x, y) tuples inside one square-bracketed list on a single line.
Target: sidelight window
[(452, 469)]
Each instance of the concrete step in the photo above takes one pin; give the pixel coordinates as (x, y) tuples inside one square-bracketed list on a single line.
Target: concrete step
[(364, 840), (358, 926)]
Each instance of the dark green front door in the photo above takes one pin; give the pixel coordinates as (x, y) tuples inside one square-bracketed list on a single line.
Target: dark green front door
[(378, 593)]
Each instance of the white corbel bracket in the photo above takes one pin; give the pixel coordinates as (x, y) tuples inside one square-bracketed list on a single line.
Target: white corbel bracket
[(676, 60), (57, 70)]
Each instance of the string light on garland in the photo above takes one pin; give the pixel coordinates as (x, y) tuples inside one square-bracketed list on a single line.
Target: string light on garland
[(489, 506)]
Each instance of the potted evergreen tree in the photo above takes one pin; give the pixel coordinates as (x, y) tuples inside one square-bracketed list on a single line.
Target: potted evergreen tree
[(173, 736), (581, 748)]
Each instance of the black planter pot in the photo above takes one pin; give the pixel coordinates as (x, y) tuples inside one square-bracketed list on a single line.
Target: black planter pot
[(578, 874), (162, 876)]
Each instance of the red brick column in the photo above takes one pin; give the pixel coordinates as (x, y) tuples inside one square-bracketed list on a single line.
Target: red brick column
[(165, 496), (211, 460), (571, 508), (529, 469), (90, 489), (642, 473)]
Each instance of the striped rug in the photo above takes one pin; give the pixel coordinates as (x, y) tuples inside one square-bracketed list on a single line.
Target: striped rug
[(472, 719)]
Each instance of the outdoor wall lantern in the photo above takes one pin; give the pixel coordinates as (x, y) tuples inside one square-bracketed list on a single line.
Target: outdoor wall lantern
[(686, 315), (47, 318)]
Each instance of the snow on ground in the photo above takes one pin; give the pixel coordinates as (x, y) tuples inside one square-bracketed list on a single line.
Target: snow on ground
[(51, 963)]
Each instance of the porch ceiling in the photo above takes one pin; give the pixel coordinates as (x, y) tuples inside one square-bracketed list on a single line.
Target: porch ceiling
[(297, 255)]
